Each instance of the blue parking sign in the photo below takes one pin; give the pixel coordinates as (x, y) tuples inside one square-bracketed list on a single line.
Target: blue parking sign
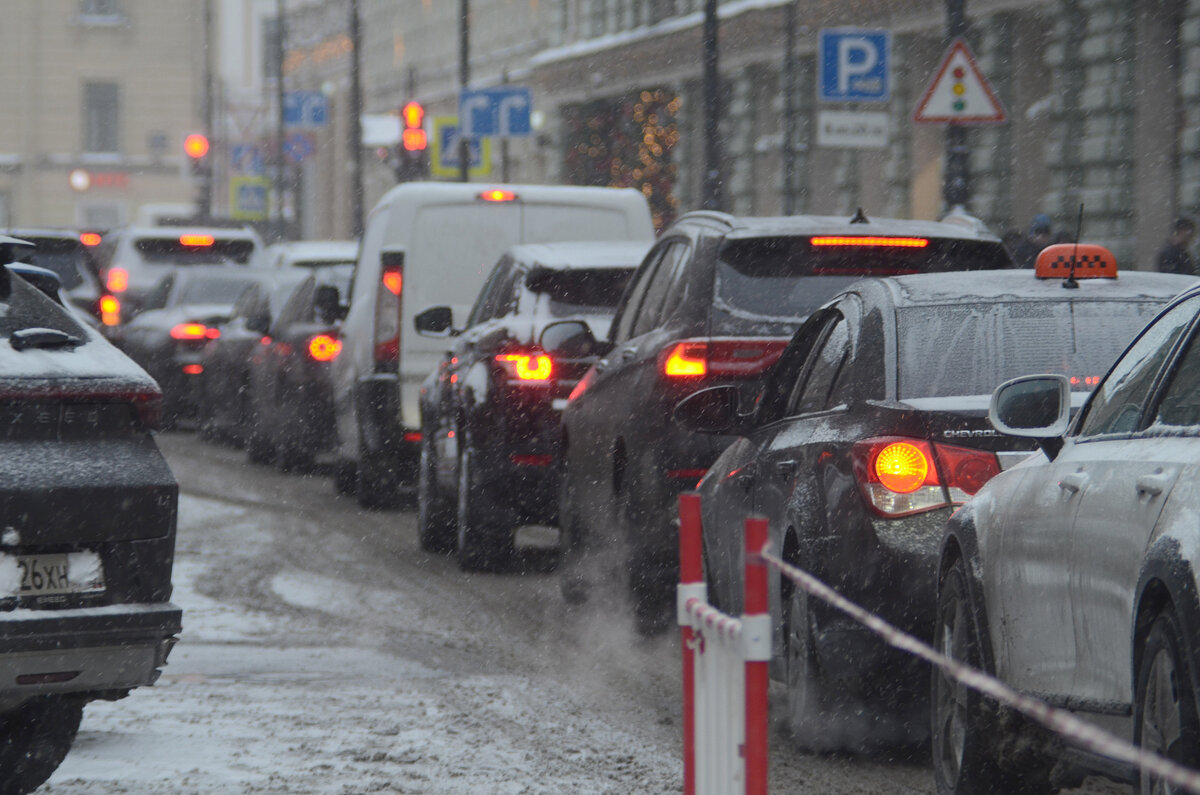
[(855, 65)]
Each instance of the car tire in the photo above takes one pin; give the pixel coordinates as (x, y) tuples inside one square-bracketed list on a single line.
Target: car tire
[(259, 449), (34, 739), (573, 582), (1165, 711), (376, 485), (345, 477), (292, 459), (484, 528), (963, 733), (815, 718), (435, 513)]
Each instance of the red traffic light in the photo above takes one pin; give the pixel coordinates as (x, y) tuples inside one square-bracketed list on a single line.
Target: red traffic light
[(413, 115), (195, 146), (415, 140)]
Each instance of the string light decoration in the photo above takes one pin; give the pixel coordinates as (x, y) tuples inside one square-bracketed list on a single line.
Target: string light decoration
[(626, 142)]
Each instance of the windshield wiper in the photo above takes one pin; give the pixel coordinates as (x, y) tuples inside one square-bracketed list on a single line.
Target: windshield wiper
[(42, 338)]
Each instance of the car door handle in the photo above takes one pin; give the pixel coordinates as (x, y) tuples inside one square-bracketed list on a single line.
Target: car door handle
[(628, 353), (1152, 485), (1073, 482), (785, 469)]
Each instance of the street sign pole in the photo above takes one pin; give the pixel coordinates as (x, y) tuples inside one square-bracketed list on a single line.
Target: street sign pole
[(956, 184), (712, 111), (464, 77)]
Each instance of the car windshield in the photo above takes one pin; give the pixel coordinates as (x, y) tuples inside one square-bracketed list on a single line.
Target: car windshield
[(63, 256), (574, 292), (786, 278), (171, 251), (211, 290), (972, 349)]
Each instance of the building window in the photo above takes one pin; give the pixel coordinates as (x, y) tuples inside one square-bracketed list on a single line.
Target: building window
[(101, 12), (101, 113)]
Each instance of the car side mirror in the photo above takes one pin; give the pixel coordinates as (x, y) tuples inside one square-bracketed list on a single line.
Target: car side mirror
[(572, 339), (1033, 407), (436, 321), (259, 322), (712, 410), (327, 303)]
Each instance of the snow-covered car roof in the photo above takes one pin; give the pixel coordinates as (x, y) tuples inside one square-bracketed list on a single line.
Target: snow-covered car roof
[(582, 254), (311, 253), (1021, 284), (750, 227)]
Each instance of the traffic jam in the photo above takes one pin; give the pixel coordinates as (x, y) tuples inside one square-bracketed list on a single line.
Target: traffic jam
[(532, 450)]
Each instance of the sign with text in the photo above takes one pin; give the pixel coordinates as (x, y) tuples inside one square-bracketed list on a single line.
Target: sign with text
[(854, 65), (848, 129), (501, 112)]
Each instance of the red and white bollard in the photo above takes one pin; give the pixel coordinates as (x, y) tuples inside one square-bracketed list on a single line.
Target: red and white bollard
[(724, 669)]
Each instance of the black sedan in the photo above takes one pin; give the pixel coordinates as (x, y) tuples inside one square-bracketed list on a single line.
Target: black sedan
[(491, 412), (290, 396), (1073, 577), (872, 428), (181, 314), (88, 529)]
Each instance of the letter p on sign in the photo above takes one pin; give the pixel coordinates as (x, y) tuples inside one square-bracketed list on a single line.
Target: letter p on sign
[(855, 65)]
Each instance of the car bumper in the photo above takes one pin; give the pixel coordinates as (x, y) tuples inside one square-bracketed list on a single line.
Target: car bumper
[(85, 650)]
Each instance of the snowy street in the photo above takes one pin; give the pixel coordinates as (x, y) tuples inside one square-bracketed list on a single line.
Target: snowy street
[(323, 653)]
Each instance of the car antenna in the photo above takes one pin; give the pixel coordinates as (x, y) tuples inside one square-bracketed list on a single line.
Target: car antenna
[(1070, 283), (859, 217)]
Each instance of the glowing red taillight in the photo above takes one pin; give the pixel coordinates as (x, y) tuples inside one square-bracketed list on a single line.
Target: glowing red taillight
[(901, 476), (527, 368), (393, 280), (194, 331), (324, 348), (90, 239), (117, 280), (722, 357), (871, 242), (498, 195), (198, 241), (110, 310)]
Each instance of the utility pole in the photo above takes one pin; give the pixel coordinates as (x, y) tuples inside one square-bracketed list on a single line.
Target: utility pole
[(956, 184), (789, 108), (464, 77), (355, 142), (279, 173), (712, 111), (204, 197)]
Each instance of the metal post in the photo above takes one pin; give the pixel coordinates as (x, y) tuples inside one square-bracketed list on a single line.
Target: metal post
[(464, 77), (755, 609), (691, 578), (712, 111), (278, 173), (956, 185), (789, 108), (356, 104), (504, 171), (204, 194)]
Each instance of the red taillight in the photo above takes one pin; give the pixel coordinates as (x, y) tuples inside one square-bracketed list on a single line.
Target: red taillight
[(387, 314), (901, 476), (393, 280), (198, 241), (117, 280), (148, 406), (192, 331), (388, 351), (527, 368), (583, 384), (90, 239), (193, 369), (531, 460), (873, 242), (722, 357), (110, 310), (412, 437), (324, 348), (497, 195)]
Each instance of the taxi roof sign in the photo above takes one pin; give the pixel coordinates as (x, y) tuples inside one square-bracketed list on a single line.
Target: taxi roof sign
[(1090, 261)]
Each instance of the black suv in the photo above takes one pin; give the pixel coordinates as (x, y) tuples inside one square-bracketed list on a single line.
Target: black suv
[(490, 412), (715, 302), (87, 529)]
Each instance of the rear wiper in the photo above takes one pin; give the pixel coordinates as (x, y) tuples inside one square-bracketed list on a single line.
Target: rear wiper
[(42, 338)]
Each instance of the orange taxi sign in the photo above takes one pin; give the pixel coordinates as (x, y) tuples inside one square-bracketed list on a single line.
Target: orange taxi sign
[(1091, 261)]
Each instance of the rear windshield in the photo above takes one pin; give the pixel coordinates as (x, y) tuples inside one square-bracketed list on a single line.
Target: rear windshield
[(786, 278), (27, 307), (212, 290), (970, 350), (320, 263), (575, 292), (64, 257), (169, 251)]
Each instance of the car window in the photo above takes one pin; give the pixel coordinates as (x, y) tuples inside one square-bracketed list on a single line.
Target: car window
[(246, 303), (489, 295), (158, 296), (299, 304), (1180, 402), (508, 292), (623, 328), (654, 309), (211, 290), (815, 387), (174, 251), (1116, 406), (578, 291)]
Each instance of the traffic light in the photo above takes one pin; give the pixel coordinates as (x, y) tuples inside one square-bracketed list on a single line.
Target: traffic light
[(196, 147), (412, 159)]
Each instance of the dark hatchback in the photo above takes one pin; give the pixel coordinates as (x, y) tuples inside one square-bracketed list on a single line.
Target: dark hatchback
[(872, 428), (87, 530), (62, 251), (714, 302), (491, 412)]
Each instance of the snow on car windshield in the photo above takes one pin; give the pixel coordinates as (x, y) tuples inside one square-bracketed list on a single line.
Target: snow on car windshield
[(972, 349)]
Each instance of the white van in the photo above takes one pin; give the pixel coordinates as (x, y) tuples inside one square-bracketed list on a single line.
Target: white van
[(427, 244)]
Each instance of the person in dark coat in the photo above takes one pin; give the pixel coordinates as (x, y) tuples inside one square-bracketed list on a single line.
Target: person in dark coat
[(1041, 234), (1174, 256)]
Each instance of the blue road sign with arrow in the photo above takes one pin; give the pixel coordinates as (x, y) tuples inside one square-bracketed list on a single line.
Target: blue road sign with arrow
[(501, 112)]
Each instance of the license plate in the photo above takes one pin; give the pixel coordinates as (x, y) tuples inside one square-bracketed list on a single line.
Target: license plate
[(46, 575)]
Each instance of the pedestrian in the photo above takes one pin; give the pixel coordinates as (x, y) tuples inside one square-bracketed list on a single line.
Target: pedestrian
[(1174, 256), (1041, 234)]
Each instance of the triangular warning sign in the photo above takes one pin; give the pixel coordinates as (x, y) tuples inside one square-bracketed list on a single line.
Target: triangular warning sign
[(959, 93)]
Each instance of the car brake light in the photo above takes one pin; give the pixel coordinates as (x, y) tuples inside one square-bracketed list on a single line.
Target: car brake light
[(117, 280), (194, 331), (531, 460), (193, 369), (324, 348), (497, 195), (901, 476), (388, 351), (393, 280), (527, 368), (876, 242), (148, 406), (583, 384), (387, 312), (110, 310), (200, 241), (720, 356), (90, 239)]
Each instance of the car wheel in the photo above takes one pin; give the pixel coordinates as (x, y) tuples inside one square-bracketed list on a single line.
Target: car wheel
[(485, 529), (435, 513), (376, 486), (573, 582), (345, 477), (812, 714), (1165, 712), (259, 449), (34, 739)]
